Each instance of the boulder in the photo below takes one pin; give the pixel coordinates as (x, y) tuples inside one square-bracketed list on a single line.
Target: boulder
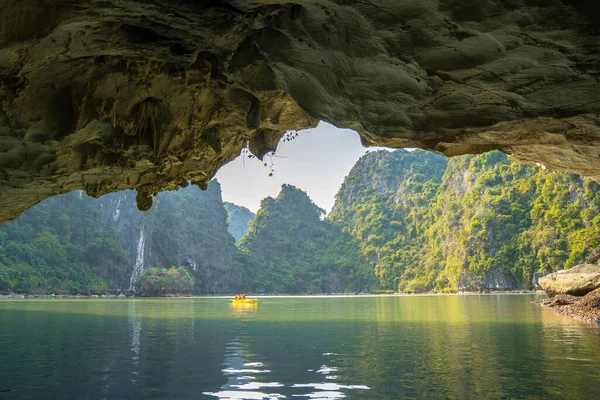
[(562, 300), (577, 281)]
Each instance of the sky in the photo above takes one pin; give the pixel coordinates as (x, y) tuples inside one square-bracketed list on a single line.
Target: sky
[(317, 161)]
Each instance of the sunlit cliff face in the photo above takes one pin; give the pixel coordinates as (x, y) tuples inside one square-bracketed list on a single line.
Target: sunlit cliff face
[(112, 95)]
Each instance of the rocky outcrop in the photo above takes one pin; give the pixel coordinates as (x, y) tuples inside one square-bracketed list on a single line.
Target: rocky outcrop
[(577, 281), (112, 95), (493, 280), (586, 308)]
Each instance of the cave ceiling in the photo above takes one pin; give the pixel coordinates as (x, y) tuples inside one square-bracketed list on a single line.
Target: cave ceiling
[(150, 95)]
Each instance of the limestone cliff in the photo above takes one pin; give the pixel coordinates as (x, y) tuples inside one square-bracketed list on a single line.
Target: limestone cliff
[(129, 94), (292, 249), (67, 241), (184, 228), (238, 219), (473, 223)]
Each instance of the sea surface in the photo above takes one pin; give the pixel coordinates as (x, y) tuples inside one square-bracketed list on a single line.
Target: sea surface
[(390, 347)]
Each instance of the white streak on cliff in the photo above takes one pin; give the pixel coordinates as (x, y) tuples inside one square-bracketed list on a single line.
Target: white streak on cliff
[(138, 268), (117, 210)]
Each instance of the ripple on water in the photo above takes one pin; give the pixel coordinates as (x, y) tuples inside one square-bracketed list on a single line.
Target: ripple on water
[(327, 390), (244, 395), (253, 364), (325, 370), (258, 385), (327, 395), (330, 386), (234, 371)]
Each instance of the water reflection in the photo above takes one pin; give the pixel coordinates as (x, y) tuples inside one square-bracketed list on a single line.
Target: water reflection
[(251, 379), (366, 348), (135, 327), (243, 308), (237, 368)]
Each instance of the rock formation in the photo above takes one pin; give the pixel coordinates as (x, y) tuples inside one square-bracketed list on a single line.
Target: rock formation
[(586, 308), (76, 244), (119, 94), (238, 219), (471, 223), (577, 281)]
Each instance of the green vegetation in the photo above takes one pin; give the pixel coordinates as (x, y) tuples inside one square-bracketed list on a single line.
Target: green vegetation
[(481, 222), (408, 221), (73, 244), (238, 220), (158, 281), (188, 228), (291, 249), (384, 203), (56, 248)]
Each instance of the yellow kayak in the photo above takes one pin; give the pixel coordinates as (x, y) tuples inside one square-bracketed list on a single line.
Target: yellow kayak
[(247, 301)]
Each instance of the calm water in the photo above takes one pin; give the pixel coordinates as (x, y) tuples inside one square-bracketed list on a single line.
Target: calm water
[(457, 347)]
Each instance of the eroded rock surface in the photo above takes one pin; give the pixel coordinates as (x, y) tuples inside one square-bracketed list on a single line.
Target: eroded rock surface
[(586, 308), (577, 281), (119, 94)]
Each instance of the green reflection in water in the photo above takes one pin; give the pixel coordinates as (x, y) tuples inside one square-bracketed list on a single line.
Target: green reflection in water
[(457, 347)]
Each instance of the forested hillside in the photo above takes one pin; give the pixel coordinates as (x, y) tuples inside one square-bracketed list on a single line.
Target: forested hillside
[(408, 221), (471, 223), (293, 250), (76, 244), (61, 245), (384, 203)]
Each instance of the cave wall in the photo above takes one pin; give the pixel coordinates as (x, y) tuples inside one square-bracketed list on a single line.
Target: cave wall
[(125, 94)]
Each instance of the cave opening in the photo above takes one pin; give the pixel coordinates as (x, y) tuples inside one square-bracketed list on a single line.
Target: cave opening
[(408, 221), (369, 273)]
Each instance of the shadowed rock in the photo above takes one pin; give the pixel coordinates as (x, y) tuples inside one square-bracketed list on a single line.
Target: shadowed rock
[(113, 95), (577, 281)]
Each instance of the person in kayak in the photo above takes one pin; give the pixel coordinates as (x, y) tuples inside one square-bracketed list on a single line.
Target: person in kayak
[(243, 297), (238, 297)]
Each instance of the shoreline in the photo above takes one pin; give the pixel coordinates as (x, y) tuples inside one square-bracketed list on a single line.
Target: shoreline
[(585, 308), (122, 296)]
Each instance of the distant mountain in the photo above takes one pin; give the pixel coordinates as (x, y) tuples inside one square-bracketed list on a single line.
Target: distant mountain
[(238, 219), (294, 250), (470, 223)]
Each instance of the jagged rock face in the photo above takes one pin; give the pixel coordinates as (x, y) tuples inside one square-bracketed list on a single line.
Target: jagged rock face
[(113, 95)]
